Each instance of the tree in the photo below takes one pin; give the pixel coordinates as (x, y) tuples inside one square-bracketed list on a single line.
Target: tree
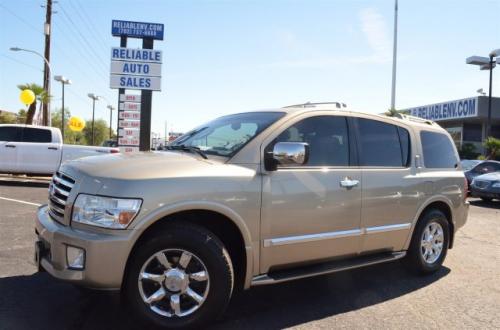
[(70, 137), (493, 146), (40, 95), (7, 118), (101, 131), (21, 116)]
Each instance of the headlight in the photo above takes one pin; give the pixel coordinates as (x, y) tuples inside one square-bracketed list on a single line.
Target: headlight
[(496, 184), (107, 212)]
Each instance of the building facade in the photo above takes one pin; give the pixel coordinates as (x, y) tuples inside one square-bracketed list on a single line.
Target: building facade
[(465, 119)]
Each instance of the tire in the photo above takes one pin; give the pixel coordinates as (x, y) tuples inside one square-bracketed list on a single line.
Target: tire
[(418, 258), (205, 253), (487, 199)]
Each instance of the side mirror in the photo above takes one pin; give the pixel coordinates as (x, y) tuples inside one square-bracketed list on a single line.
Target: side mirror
[(287, 154)]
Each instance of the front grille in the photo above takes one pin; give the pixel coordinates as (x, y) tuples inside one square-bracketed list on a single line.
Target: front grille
[(59, 190), (481, 184)]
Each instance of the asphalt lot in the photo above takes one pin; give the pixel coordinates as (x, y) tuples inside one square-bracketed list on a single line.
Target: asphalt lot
[(465, 293)]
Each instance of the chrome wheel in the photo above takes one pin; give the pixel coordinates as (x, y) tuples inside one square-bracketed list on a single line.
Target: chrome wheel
[(174, 283), (432, 241)]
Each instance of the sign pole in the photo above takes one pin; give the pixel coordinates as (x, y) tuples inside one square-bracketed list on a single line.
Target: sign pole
[(146, 100), (121, 91)]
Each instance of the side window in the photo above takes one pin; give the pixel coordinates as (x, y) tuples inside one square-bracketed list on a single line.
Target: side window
[(327, 137), (439, 151), (37, 135), (10, 134), (380, 144)]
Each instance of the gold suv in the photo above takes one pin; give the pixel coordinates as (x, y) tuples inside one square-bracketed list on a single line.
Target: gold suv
[(252, 199)]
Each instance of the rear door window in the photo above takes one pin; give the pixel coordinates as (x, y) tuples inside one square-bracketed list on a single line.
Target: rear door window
[(439, 151), (37, 135), (10, 133), (383, 144)]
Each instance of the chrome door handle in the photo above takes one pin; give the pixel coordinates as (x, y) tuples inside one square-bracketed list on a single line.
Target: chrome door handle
[(349, 183)]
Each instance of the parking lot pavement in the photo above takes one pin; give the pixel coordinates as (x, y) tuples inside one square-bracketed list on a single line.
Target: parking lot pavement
[(465, 293)]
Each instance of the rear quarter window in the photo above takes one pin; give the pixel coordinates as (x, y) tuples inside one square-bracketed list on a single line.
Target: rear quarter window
[(438, 150)]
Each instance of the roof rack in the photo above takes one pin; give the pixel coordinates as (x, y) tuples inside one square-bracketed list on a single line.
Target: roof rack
[(413, 118), (338, 105)]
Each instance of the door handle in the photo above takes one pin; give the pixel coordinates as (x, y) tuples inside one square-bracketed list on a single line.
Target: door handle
[(9, 146), (52, 148), (348, 183)]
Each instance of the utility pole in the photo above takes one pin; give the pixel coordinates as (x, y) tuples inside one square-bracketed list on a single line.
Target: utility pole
[(394, 56), (46, 70)]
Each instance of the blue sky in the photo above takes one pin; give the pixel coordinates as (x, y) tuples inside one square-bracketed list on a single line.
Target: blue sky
[(228, 56)]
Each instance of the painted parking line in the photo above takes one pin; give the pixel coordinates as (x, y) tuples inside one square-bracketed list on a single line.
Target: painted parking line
[(18, 201)]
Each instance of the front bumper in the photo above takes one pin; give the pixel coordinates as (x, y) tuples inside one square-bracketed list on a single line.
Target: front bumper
[(105, 254)]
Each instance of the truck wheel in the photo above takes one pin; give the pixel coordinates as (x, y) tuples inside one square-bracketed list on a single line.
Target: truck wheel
[(429, 243), (182, 277)]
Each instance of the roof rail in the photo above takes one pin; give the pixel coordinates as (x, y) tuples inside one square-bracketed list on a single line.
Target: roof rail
[(338, 105), (413, 118)]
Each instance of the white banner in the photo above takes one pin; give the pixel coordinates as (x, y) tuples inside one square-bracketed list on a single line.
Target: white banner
[(129, 132), (130, 98), (136, 68), (136, 115), (128, 106), (129, 149), (129, 123), (135, 82)]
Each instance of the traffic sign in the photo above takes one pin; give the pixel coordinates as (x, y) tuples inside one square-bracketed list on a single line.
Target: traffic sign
[(135, 82), (130, 106), (130, 98), (137, 29), (129, 115), (129, 123), (136, 68), (135, 54)]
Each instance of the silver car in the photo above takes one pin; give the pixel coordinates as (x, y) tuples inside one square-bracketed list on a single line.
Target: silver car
[(253, 199)]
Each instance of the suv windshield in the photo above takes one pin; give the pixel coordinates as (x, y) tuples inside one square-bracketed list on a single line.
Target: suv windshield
[(226, 135)]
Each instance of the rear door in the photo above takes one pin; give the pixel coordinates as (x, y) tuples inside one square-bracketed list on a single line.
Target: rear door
[(390, 187), (10, 136), (37, 153)]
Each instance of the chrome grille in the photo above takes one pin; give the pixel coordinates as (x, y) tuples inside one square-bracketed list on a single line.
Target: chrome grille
[(59, 190), (481, 184)]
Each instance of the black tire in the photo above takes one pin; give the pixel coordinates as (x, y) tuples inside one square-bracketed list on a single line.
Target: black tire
[(487, 199), (207, 248), (414, 259)]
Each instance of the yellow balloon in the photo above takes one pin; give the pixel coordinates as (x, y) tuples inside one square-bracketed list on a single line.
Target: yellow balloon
[(76, 124), (27, 96)]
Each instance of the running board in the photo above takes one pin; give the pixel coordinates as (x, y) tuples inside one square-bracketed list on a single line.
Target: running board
[(325, 268)]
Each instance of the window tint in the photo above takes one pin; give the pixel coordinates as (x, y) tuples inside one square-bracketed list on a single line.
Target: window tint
[(327, 137), (37, 135), (487, 167), (10, 134), (438, 150), (380, 146), (404, 139)]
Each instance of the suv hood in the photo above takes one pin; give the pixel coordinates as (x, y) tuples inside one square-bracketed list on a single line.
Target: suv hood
[(143, 165)]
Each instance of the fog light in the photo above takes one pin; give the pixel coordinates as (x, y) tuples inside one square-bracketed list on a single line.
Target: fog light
[(75, 257)]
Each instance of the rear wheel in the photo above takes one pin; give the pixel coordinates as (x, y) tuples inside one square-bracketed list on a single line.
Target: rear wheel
[(429, 243), (180, 278)]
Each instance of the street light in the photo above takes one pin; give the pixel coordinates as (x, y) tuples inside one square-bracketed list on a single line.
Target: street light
[(46, 119), (63, 81), (486, 63), (94, 98), (111, 108), (481, 92)]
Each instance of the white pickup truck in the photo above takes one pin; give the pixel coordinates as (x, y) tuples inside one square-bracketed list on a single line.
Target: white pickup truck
[(37, 150)]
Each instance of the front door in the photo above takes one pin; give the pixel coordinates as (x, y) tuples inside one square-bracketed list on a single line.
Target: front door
[(37, 153), (9, 139), (307, 213)]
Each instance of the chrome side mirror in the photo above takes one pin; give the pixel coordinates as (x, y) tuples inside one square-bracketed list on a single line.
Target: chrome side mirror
[(291, 153)]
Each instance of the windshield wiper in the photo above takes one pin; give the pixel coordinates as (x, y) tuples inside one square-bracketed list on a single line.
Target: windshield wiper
[(184, 147)]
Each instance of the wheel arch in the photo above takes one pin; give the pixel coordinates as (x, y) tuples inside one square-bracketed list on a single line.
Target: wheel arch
[(226, 224)]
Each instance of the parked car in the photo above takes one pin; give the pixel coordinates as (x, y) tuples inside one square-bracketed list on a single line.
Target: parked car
[(486, 186), (468, 164), (38, 150), (110, 143), (253, 199), (487, 166)]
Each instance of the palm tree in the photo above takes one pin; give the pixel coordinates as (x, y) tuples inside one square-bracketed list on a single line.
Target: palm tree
[(40, 95), (493, 146)]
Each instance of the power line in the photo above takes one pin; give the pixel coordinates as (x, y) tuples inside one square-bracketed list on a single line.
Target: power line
[(21, 62), (88, 21), (28, 24)]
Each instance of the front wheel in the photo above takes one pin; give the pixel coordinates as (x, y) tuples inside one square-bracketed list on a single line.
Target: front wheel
[(429, 243), (182, 277)]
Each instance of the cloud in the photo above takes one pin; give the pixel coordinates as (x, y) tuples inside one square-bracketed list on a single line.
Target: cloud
[(374, 28)]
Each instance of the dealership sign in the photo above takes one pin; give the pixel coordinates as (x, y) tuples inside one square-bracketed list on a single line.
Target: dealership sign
[(458, 109), (138, 68), (137, 29)]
